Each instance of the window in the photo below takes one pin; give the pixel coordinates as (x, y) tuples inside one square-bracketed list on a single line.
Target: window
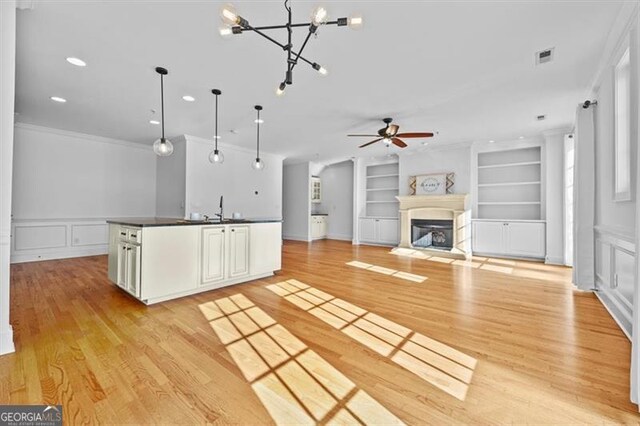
[(622, 126)]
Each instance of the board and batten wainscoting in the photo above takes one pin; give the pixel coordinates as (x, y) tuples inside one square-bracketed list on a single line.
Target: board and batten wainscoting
[(48, 239), (615, 263)]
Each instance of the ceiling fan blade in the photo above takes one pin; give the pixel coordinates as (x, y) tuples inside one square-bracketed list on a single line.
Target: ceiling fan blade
[(398, 142), (368, 136), (369, 143), (415, 135)]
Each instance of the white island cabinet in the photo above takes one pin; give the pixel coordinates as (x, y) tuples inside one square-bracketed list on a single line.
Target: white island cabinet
[(162, 259)]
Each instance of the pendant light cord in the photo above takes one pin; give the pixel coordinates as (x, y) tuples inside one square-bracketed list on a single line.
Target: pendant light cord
[(162, 103), (258, 137), (216, 137)]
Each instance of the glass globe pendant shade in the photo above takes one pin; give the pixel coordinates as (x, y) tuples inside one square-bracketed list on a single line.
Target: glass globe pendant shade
[(163, 147), (258, 164), (216, 157)]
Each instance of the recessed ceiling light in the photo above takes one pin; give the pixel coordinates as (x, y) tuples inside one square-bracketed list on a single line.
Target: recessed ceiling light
[(491, 141), (58, 99), (521, 137), (258, 121), (77, 62), (188, 98), (154, 122)]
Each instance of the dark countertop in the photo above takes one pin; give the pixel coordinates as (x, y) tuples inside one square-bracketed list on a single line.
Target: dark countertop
[(319, 214), (146, 222)]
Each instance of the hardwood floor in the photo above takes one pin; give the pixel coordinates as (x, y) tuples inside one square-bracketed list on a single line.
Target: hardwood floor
[(526, 346)]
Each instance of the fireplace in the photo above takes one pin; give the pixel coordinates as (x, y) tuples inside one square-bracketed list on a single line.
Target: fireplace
[(435, 234), (440, 224)]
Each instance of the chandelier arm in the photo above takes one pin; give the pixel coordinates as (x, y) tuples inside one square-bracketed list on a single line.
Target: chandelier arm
[(304, 44), (283, 26), (276, 42)]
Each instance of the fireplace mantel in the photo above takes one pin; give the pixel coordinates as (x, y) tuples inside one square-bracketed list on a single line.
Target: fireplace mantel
[(446, 201), (453, 207)]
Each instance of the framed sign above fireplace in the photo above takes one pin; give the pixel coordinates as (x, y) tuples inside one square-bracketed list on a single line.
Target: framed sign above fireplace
[(431, 184)]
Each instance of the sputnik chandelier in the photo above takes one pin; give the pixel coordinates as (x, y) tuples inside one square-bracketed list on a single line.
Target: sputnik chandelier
[(236, 24)]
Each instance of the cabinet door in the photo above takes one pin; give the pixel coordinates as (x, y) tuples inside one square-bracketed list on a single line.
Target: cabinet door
[(265, 248), (387, 231), (488, 237), (525, 239), (323, 227), (133, 270), (238, 251), (122, 265), (315, 230), (213, 255), (114, 238), (368, 230)]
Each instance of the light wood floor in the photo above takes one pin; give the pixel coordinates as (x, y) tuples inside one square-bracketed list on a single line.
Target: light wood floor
[(530, 349)]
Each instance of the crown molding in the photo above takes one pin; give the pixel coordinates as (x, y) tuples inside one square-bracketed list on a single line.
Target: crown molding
[(225, 146), (557, 132), (83, 136)]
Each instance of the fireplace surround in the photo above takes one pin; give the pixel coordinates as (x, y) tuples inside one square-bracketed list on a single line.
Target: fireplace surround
[(440, 224)]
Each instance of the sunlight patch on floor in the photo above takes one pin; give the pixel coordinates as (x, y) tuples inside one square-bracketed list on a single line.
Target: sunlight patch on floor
[(294, 384), (388, 271), (442, 366)]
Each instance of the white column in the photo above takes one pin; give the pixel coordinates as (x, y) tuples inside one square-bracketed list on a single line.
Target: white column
[(7, 88), (554, 190)]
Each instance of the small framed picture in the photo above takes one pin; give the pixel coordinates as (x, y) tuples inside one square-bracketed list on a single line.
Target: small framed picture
[(431, 184)]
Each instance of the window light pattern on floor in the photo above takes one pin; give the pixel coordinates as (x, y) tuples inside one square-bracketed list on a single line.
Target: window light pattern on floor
[(295, 384), (443, 366), (388, 271)]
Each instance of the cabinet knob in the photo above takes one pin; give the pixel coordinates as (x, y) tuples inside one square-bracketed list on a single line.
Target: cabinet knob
[(128, 248), (233, 230)]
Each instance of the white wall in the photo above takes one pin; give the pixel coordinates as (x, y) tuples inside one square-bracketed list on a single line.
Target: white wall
[(61, 175), (171, 173), (437, 160), (254, 194), (296, 204), (337, 199), (66, 184), (7, 88)]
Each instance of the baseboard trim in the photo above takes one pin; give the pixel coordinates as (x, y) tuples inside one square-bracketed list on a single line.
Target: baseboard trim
[(615, 318), (6, 341), (296, 238), (341, 237), (60, 254), (555, 261)]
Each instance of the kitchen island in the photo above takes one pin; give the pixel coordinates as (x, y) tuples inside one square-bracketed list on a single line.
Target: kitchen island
[(159, 259)]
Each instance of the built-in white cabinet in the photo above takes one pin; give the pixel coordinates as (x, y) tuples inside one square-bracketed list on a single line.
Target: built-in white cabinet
[(319, 227), (509, 238), (238, 251), (316, 190), (213, 255), (379, 231)]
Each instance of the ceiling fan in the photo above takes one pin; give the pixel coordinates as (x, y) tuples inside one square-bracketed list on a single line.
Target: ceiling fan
[(389, 135)]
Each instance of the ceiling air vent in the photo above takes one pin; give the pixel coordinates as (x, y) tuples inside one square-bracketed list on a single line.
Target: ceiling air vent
[(544, 56), (541, 117)]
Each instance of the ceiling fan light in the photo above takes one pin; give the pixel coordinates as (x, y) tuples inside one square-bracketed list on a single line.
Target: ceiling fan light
[(163, 147), (280, 89), (319, 16), (386, 141), (229, 15), (355, 22)]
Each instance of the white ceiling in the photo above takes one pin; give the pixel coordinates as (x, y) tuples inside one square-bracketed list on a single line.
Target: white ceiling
[(464, 69)]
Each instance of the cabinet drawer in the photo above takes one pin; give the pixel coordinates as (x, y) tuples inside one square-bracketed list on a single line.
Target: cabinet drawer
[(134, 235)]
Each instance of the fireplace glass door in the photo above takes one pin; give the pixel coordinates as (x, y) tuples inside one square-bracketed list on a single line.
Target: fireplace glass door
[(437, 234)]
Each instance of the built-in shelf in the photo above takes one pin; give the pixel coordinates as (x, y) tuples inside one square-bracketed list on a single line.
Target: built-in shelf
[(508, 184), (524, 163), (381, 189), (498, 196), (508, 203), (382, 176)]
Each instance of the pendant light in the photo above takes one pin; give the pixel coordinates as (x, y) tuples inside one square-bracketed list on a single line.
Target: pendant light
[(163, 146), (258, 164), (216, 157)]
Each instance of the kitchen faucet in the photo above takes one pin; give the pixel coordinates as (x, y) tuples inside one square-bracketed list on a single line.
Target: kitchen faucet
[(221, 214)]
